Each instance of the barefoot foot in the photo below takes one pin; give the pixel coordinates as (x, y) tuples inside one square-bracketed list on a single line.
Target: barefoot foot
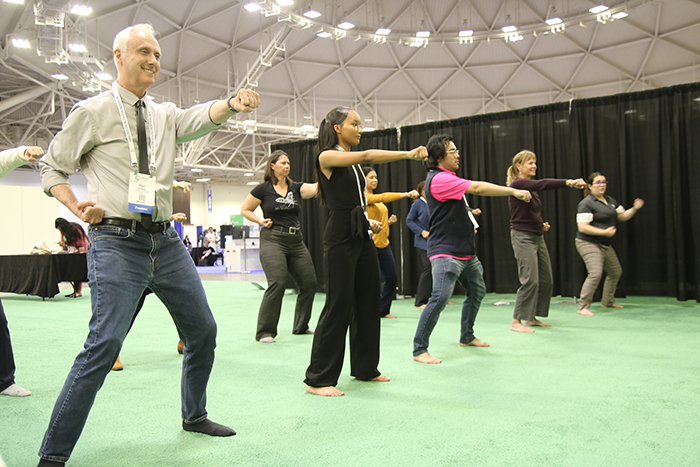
[(585, 312), (476, 343), (425, 357), (388, 315), (537, 322), (328, 391), (517, 326), (614, 305), (381, 379)]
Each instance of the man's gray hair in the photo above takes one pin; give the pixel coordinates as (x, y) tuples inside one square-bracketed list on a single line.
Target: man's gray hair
[(122, 37)]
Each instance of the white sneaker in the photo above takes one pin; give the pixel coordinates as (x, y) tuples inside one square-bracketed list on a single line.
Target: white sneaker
[(16, 391)]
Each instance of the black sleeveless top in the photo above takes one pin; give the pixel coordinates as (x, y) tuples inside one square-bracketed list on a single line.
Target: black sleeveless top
[(346, 218)]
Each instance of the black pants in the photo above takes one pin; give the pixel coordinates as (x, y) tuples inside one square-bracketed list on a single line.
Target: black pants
[(352, 299), (425, 282), (7, 360), (282, 254)]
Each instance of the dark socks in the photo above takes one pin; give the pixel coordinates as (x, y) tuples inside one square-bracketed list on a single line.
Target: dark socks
[(45, 463), (208, 428)]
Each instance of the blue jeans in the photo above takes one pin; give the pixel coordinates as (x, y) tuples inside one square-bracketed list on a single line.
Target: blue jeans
[(387, 268), (447, 271), (121, 264)]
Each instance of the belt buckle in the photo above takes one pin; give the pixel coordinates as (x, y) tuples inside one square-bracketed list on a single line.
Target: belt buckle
[(293, 230), (155, 227)]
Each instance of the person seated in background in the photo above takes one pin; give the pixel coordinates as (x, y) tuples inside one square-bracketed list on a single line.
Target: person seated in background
[(209, 257)]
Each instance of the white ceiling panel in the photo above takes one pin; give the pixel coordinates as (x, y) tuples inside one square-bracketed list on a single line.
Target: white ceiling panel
[(211, 47)]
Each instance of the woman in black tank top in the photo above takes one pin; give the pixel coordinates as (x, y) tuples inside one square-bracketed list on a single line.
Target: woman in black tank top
[(352, 278)]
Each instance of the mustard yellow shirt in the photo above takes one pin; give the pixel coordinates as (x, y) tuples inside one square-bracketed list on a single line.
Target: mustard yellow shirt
[(378, 211)]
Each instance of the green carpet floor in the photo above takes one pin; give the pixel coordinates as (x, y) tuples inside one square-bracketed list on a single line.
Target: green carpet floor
[(618, 389)]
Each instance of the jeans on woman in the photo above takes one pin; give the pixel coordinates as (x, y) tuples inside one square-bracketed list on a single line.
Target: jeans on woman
[(387, 268), (282, 253), (121, 264), (446, 272)]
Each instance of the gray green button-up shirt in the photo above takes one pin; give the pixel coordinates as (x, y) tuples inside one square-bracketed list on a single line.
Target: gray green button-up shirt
[(92, 138)]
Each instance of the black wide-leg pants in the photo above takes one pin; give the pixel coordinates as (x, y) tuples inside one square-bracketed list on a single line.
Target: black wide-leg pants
[(352, 300)]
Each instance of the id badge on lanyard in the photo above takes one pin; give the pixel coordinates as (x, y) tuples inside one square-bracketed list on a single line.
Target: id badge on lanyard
[(142, 193), (142, 186)]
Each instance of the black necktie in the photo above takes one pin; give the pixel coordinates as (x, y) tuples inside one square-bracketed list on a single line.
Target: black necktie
[(146, 219)]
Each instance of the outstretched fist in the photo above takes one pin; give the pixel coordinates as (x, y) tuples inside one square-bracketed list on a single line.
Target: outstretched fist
[(32, 153), (246, 100)]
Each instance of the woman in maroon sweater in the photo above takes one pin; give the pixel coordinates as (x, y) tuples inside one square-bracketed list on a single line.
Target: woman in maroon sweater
[(526, 236)]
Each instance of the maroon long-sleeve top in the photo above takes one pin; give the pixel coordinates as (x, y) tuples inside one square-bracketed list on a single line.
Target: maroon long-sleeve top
[(527, 217)]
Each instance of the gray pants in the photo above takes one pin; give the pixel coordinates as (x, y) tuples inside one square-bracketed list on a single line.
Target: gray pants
[(535, 274), (598, 258), (282, 253)]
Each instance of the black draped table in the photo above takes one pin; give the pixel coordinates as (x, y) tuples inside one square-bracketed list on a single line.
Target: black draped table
[(40, 274)]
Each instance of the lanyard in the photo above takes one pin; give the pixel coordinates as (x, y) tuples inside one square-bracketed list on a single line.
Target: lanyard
[(363, 202), (130, 138), (469, 212)]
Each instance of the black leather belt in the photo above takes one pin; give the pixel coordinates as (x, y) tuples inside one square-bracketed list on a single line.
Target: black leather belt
[(287, 230), (134, 225)]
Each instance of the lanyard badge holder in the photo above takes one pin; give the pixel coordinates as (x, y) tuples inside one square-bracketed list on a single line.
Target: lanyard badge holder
[(142, 186)]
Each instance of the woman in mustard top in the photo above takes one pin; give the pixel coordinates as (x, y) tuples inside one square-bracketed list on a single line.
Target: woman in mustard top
[(377, 210)]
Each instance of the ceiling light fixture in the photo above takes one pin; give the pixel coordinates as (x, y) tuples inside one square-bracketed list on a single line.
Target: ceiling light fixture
[(251, 6), (249, 174), (21, 43), (620, 15), (285, 2), (346, 25), (77, 47), (81, 10), (253, 183), (553, 21), (511, 28), (195, 170), (16, 2), (312, 14), (249, 122), (383, 31), (324, 34), (423, 34), (598, 9), (103, 75), (59, 76), (203, 179)]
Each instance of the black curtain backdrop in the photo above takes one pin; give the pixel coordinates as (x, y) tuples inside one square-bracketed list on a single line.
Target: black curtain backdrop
[(644, 143)]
